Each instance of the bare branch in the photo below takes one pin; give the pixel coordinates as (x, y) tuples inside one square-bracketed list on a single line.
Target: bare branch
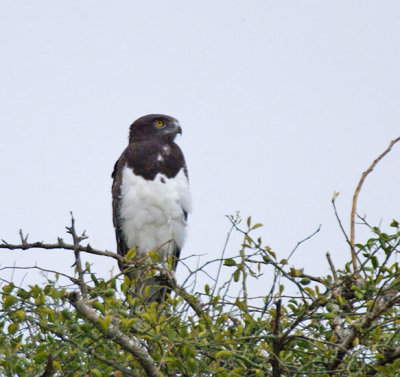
[(333, 201), (304, 240), (228, 236), (78, 263), (355, 197), (332, 266), (61, 246)]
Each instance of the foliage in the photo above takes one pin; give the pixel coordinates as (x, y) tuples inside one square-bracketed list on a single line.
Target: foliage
[(339, 324), (344, 323)]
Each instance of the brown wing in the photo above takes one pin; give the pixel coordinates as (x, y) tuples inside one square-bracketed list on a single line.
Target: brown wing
[(116, 191)]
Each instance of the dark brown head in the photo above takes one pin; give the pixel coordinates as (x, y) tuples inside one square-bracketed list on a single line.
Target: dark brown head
[(154, 125)]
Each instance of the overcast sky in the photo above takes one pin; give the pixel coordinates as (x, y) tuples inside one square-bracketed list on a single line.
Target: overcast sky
[(281, 104)]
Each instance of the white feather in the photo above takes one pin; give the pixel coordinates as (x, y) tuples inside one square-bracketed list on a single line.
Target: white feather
[(151, 212)]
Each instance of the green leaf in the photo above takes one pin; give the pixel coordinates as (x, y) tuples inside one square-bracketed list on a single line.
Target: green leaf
[(188, 352), (22, 293), (86, 328), (20, 315), (105, 323), (154, 255), (270, 252), (224, 354), (305, 281), (57, 365), (13, 328), (99, 307), (236, 276), (294, 272), (249, 221), (8, 301), (67, 314), (109, 292), (130, 254), (41, 356), (229, 262), (341, 300), (95, 281), (8, 288), (96, 373)]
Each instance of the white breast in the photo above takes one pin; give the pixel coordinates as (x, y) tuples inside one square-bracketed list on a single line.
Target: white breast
[(152, 212)]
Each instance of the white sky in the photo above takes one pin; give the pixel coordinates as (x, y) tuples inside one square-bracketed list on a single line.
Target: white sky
[(281, 104)]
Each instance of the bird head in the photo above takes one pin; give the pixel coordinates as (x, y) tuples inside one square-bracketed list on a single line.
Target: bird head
[(154, 125)]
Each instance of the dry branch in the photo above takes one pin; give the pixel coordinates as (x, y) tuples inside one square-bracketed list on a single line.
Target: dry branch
[(355, 197), (61, 246)]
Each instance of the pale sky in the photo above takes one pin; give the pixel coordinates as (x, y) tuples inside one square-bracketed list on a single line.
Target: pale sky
[(281, 104)]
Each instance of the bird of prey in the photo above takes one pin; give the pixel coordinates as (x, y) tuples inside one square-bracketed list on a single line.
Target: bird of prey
[(151, 200)]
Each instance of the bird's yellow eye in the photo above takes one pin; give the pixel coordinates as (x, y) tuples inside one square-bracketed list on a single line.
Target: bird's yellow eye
[(159, 123)]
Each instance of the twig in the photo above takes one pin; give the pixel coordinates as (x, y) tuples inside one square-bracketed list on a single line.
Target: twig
[(354, 204), (228, 236), (332, 266), (333, 201), (74, 280), (304, 240), (273, 263), (24, 240), (194, 302), (78, 263)]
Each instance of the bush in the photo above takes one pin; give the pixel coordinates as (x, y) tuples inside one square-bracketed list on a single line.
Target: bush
[(342, 324)]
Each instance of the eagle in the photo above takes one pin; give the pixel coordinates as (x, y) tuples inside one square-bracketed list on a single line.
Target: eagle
[(151, 202)]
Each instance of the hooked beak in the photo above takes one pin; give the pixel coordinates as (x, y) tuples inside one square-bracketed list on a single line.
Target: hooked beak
[(173, 129), (178, 129)]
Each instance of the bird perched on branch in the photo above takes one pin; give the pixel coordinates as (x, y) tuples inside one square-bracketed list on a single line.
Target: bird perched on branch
[(151, 202)]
